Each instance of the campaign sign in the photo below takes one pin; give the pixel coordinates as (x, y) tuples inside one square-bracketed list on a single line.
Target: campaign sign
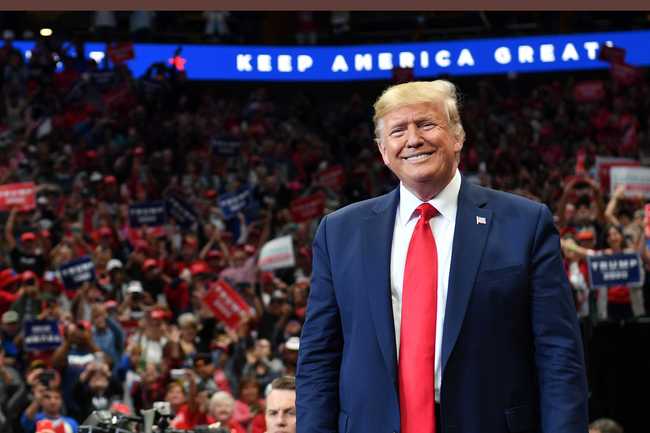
[(147, 213), (120, 52), (332, 177), (42, 335), (635, 179), (276, 254), (605, 163), (615, 270), (225, 147), (22, 195), (307, 208), (233, 202), (182, 212), (76, 272), (226, 304), (589, 91)]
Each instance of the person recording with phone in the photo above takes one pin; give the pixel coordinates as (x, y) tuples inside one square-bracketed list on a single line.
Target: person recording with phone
[(47, 404)]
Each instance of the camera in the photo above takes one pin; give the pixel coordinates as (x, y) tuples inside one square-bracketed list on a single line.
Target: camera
[(154, 420), (46, 377)]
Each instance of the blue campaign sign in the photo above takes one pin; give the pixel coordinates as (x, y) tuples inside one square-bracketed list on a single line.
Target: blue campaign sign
[(76, 272), (182, 212), (371, 62), (41, 335), (615, 270), (233, 202), (147, 213), (225, 147)]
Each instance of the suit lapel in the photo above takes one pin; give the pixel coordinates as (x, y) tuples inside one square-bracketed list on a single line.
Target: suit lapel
[(470, 234), (377, 242)]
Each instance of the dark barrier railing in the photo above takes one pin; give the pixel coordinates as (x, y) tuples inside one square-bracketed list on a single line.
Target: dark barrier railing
[(618, 368)]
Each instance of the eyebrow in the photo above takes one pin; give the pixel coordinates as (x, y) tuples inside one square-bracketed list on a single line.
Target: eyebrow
[(423, 118)]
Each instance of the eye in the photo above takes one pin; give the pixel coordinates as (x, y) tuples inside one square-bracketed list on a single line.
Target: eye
[(397, 132), (427, 125)]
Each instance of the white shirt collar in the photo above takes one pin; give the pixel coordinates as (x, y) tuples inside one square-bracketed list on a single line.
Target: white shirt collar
[(446, 202)]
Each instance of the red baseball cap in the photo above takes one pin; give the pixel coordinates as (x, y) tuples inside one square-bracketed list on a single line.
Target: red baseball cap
[(158, 314), (27, 275), (141, 245), (105, 232), (149, 263), (28, 236), (138, 151), (266, 277), (199, 267), (110, 179), (214, 254)]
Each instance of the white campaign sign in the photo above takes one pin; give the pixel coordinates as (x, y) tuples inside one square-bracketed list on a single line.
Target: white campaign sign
[(277, 253), (635, 179)]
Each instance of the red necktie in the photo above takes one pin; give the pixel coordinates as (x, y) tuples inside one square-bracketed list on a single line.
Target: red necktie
[(418, 329)]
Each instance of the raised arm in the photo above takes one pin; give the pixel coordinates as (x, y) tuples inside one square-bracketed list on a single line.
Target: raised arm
[(9, 229)]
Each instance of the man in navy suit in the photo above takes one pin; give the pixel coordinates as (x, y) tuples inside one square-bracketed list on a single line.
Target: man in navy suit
[(441, 306)]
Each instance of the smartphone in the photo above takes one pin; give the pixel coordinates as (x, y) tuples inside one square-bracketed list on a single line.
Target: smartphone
[(46, 377)]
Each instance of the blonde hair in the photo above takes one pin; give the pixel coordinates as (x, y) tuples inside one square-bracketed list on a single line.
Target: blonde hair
[(417, 92), (221, 397)]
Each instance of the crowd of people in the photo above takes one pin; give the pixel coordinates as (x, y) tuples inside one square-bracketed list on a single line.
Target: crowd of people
[(95, 141)]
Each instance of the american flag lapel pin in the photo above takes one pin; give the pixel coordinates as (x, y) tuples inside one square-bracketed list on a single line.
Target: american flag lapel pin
[(480, 220)]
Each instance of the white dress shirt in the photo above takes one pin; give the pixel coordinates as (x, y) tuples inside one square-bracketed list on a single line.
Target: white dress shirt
[(442, 225)]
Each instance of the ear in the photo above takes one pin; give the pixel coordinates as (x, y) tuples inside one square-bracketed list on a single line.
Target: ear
[(382, 150)]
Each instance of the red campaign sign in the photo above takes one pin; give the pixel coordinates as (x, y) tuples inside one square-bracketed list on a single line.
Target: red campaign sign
[(612, 54), (22, 195), (121, 52), (625, 74), (306, 208), (589, 91), (226, 304), (333, 177)]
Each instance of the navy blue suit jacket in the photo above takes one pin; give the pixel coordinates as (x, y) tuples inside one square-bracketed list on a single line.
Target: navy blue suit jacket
[(512, 358)]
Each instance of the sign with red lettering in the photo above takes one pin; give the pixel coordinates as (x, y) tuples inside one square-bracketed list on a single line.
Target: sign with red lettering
[(332, 177), (277, 254), (306, 208), (226, 304), (589, 91), (120, 52), (22, 195)]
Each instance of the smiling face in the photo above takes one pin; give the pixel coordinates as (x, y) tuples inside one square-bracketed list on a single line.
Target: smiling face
[(416, 144)]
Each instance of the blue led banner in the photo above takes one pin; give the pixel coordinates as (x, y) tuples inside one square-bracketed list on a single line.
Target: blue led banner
[(372, 62)]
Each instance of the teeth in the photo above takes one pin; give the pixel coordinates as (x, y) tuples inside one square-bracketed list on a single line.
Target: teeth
[(416, 157)]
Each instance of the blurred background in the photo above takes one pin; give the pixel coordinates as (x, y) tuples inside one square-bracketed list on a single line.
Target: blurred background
[(162, 175)]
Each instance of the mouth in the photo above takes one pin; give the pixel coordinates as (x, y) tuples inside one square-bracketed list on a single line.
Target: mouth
[(421, 156)]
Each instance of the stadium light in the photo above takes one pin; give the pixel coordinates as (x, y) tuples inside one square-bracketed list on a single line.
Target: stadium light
[(45, 32)]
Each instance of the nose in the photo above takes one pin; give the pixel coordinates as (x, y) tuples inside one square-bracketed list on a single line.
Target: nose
[(413, 137)]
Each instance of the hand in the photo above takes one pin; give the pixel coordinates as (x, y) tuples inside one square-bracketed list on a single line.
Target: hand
[(619, 193), (251, 357), (174, 334), (39, 395)]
